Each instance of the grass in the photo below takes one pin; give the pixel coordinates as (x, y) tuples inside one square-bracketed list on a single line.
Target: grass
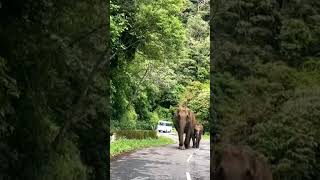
[(206, 136), (126, 145)]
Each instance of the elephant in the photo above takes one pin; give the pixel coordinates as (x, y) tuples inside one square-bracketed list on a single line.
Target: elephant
[(238, 163), (198, 131), (184, 122)]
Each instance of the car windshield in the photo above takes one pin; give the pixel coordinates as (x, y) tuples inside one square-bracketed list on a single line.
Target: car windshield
[(164, 124)]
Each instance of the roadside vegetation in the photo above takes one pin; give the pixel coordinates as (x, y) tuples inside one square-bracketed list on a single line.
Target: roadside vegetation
[(124, 145), (53, 99), (161, 60), (136, 134), (206, 136), (267, 81)]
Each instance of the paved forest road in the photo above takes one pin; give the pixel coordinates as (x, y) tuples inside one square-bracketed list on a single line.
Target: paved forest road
[(164, 163)]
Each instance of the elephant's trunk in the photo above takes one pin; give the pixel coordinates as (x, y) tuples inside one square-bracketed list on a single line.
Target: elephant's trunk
[(180, 134)]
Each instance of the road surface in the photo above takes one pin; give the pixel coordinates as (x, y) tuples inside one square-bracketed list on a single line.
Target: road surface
[(164, 163)]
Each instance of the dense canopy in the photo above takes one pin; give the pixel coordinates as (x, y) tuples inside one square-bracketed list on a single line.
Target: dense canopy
[(266, 81), (161, 61)]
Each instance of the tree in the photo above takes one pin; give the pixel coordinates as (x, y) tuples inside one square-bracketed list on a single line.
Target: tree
[(55, 90), (264, 70)]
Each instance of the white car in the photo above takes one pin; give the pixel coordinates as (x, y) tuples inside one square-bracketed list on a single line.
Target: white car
[(164, 126)]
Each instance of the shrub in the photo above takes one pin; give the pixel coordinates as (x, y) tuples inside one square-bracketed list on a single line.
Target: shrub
[(154, 120), (144, 125), (66, 164), (162, 112), (136, 134), (129, 118)]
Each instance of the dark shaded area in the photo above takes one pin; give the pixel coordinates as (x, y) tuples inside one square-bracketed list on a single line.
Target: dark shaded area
[(53, 98), (265, 81), (236, 162)]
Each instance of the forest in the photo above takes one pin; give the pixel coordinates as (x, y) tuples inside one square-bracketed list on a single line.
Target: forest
[(161, 60), (67, 68), (265, 81), (54, 89), (63, 77)]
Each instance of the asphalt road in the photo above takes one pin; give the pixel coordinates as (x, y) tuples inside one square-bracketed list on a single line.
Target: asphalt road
[(164, 163)]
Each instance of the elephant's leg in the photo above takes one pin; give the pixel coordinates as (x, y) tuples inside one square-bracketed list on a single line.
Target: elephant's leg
[(193, 141), (180, 134), (187, 140), (198, 141)]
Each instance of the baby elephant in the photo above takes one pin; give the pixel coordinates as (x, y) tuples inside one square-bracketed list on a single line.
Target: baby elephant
[(198, 131), (237, 163)]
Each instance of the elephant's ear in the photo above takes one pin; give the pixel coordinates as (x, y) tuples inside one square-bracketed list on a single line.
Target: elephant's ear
[(188, 115), (175, 115)]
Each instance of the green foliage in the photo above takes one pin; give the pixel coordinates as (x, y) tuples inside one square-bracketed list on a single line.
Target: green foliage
[(159, 25), (288, 139), (129, 118), (197, 98), (206, 136), (66, 166), (160, 51), (266, 82), (197, 29), (154, 120), (118, 22), (48, 51), (140, 79), (136, 134), (309, 74), (195, 64), (163, 113), (295, 37)]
